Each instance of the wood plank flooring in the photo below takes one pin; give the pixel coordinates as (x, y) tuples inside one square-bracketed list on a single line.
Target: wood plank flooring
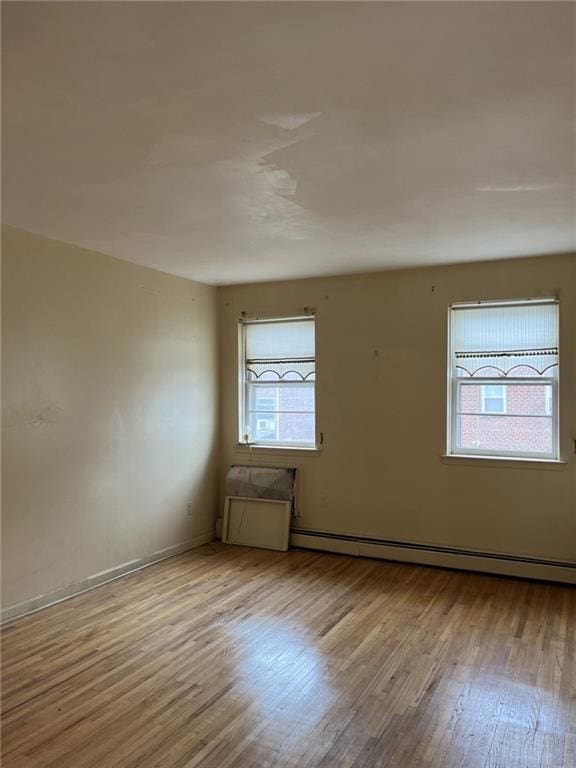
[(230, 657)]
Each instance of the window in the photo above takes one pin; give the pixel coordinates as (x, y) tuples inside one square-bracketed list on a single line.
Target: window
[(493, 398), (503, 372), (278, 373)]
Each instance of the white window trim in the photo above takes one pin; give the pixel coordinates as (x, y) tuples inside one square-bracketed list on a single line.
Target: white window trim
[(243, 390), (454, 382)]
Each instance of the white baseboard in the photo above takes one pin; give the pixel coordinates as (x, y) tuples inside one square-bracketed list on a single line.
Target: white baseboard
[(445, 557), (34, 604)]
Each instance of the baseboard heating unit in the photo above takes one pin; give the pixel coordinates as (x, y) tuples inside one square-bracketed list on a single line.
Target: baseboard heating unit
[(431, 554)]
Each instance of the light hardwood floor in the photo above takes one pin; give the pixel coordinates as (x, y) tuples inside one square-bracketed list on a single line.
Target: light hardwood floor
[(231, 657)]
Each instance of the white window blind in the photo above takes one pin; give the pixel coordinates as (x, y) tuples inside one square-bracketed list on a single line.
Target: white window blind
[(278, 382), (502, 340), (514, 346)]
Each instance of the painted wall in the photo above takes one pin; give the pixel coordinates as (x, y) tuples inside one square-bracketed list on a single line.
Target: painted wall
[(110, 401), (381, 371)]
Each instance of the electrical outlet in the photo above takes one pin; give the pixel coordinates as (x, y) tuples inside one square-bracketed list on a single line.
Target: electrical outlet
[(189, 509)]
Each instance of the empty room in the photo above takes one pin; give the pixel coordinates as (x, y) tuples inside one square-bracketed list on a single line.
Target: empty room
[(288, 384)]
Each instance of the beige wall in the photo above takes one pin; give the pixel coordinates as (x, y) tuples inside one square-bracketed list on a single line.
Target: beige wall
[(109, 414), (381, 351)]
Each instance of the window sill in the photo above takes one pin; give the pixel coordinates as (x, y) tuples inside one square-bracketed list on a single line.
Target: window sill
[(275, 450), (467, 459)]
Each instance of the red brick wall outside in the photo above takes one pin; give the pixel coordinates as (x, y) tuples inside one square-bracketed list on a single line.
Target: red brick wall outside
[(525, 428)]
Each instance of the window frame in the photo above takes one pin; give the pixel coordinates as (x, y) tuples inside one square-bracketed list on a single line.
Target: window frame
[(244, 388), (455, 383)]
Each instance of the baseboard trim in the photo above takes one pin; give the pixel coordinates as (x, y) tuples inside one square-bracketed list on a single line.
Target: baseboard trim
[(39, 602), (428, 554)]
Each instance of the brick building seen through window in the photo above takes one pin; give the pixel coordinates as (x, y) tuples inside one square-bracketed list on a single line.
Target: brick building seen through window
[(509, 429)]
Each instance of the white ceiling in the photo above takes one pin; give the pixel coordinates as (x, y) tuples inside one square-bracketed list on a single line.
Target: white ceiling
[(246, 141)]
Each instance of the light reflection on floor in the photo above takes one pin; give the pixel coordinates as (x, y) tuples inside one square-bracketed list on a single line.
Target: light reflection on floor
[(282, 671)]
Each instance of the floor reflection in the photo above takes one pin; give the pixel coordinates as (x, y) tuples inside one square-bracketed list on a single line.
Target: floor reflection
[(282, 671)]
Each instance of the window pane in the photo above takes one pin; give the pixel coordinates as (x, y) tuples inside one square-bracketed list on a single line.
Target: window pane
[(493, 405), (265, 404), (515, 434), (296, 427), (281, 413), (526, 427), (282, 398), (282, 427), (264, 427)]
